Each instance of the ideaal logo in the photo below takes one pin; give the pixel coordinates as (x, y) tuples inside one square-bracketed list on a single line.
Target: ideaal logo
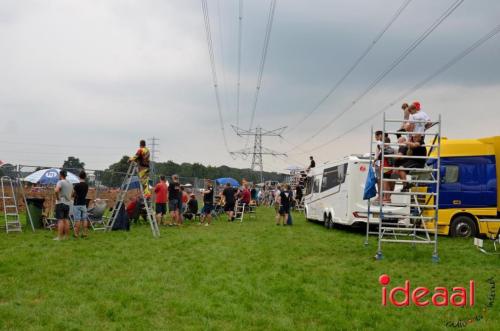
[(420, 296), (441, 296)]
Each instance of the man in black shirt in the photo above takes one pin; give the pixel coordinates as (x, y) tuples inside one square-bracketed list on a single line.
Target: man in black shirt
[(208, 203), (80, 191), (229, 194), (174, 200), (312, 164), (285, 202)]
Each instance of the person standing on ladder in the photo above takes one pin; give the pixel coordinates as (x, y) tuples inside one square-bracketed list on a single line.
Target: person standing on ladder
[(142, 159)]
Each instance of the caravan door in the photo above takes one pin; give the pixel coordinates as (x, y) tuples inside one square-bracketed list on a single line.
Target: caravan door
[(314, 211)]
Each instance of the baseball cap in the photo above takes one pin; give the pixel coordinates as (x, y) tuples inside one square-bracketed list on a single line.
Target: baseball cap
[(417, 105)]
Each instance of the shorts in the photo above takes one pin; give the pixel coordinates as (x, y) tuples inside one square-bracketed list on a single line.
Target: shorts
[(173, 205), (284, 210), (79, 213), (207, 209), (415, 163), (161, 208), (387, 175), (229, 206), (62, 211)]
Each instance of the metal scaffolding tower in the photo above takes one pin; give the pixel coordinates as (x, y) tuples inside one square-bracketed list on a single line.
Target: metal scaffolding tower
[(408, 213), (258, 150)]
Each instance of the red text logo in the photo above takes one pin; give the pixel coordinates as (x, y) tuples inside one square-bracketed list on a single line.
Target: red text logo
[(421, 296)]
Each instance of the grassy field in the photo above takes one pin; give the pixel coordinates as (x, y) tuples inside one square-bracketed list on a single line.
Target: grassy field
[(249, 276)]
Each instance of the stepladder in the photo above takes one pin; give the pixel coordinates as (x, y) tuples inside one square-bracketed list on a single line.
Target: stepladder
[(119, 206), (9, 204)]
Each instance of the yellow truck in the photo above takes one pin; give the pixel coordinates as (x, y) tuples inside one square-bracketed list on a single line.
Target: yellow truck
[(469, 191)]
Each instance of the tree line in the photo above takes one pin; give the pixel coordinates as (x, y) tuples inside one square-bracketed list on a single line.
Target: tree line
[(113, 175)]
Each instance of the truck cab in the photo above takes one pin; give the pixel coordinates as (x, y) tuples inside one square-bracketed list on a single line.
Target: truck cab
[(469, 199)]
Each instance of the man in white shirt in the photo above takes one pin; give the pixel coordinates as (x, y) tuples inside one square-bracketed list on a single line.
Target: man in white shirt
[(419, 121)]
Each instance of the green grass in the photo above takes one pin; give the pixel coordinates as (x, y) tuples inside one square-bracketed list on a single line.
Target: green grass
[(249, 276)]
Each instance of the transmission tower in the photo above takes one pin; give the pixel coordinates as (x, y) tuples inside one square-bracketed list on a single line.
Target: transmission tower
[(153, 144), (258, 150)]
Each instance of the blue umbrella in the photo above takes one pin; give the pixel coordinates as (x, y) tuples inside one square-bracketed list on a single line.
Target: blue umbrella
[(49, 177), (224, 181)]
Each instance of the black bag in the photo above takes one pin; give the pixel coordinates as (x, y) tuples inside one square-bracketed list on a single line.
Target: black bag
[(121, 221)]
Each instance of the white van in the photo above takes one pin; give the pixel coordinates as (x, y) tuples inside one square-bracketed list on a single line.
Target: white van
[(334, 194)]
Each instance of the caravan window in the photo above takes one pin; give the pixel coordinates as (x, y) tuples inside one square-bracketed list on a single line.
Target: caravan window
[(333, 177), (316, 184), (309, 185)]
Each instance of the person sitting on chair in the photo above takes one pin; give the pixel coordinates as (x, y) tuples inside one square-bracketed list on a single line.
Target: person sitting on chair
[(192, 208)]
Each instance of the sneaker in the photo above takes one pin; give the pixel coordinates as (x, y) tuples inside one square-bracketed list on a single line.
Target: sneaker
[(206, 224), (56, 238)]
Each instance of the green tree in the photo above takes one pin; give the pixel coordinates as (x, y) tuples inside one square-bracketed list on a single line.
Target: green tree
[(114, 175), (73, 164)]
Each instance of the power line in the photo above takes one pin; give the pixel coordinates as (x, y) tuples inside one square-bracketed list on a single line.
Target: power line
[(354, 65), (267, 37), (214, 70), (238, 83), (417, 86), (221, 45), (389, 69)]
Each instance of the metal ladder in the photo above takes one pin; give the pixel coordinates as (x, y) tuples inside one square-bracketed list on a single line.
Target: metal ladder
[(10, 210), (132, 170), (417, 223)]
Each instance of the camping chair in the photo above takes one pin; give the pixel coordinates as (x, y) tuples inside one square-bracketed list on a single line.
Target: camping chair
[(49, 223), (96, 216), (218, 210), (493, 238)]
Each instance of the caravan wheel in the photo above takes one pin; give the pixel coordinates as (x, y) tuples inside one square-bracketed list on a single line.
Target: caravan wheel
[(330, 222), (325, 222)]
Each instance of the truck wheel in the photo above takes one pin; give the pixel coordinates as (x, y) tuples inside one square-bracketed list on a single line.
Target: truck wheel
[(463, 227)]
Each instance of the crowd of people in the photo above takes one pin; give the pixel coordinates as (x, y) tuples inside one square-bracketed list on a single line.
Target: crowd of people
[(410, 141), (172, 204)]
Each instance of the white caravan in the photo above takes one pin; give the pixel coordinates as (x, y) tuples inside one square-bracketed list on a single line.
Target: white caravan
[(334, 194)]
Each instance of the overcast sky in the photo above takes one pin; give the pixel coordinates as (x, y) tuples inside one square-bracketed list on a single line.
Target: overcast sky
[(90, 78)]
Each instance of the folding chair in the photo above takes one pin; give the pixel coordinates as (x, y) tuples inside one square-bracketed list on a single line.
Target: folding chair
[(239, 211), (493, 238), (252, 209), (96, 215)]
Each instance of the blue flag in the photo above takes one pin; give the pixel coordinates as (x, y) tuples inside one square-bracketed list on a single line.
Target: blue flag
[(370, 185)]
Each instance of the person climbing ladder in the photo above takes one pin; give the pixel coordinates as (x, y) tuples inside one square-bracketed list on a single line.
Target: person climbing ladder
[(142, 159)]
